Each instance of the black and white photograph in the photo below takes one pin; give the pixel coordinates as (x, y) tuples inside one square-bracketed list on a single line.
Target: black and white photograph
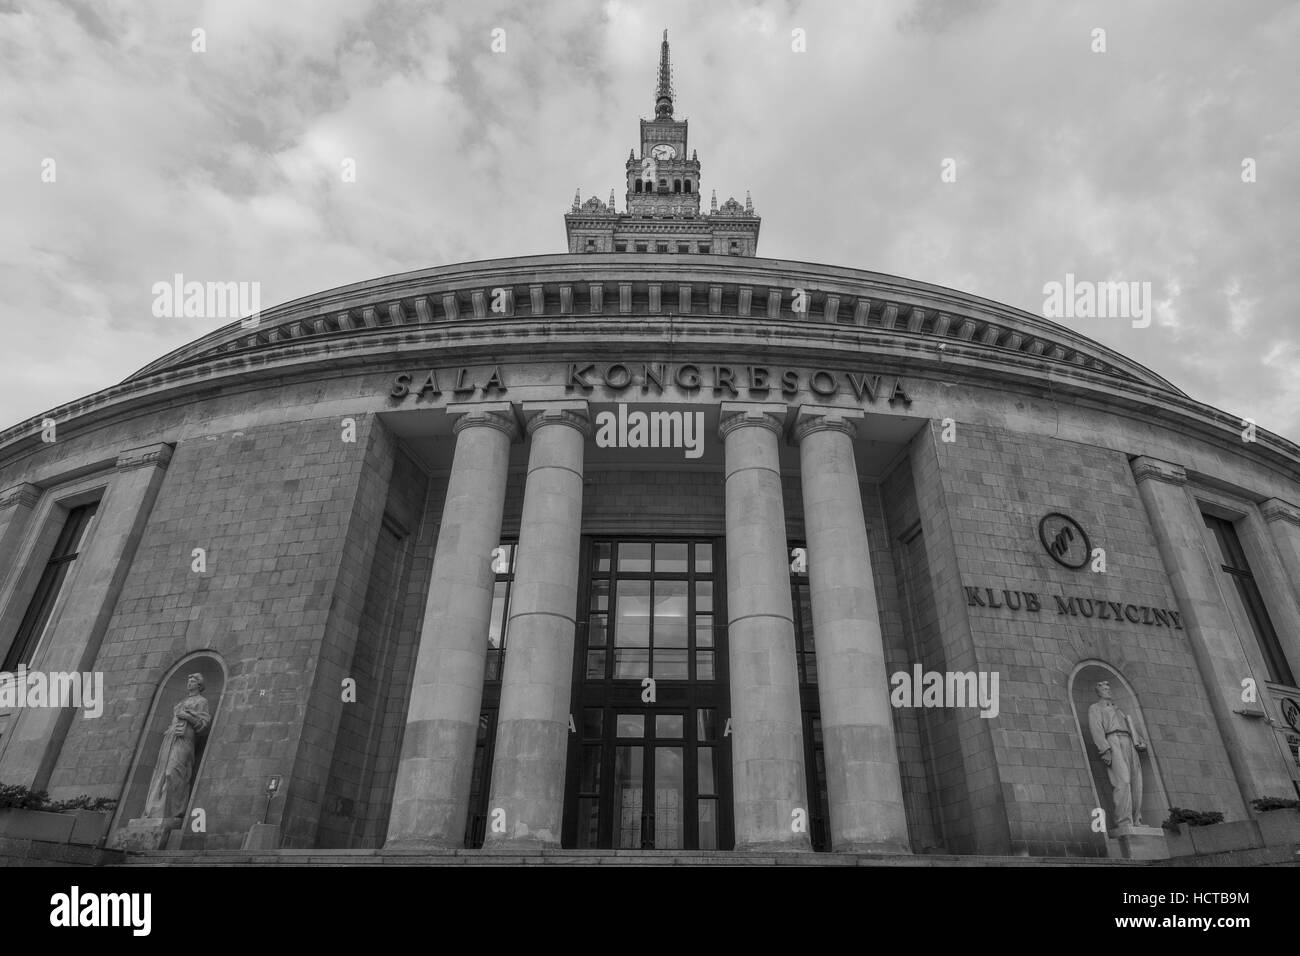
[(753, 442)]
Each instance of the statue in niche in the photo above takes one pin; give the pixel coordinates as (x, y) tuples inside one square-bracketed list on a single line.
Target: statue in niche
[(169, 788), (1119, 745)]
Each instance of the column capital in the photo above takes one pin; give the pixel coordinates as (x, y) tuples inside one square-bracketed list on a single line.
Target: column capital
[(571, 413), (158, 455), (498, 415), (1274, 509), (819, 418), (1154, 469), (22, 496), (733, 415)]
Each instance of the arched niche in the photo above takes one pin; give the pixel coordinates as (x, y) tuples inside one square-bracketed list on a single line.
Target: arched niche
[(171, 690), (1083, 694)]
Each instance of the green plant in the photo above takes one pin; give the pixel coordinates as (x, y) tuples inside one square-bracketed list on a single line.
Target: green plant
[(1193, 818), (1264, 804), (18, 797)]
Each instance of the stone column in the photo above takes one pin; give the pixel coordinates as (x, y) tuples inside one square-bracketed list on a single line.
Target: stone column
[(767, 739), (1283, 521), (863, 784), (1221, 653), (431, 795), (526, 806)]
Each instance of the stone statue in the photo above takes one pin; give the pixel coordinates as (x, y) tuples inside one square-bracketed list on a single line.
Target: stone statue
[(1119, 744), (169, 788)]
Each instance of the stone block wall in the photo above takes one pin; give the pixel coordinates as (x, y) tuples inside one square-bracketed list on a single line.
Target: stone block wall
[(279, 511), (987, 492)]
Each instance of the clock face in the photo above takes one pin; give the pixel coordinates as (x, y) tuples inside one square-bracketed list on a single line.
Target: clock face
[(663, 151)]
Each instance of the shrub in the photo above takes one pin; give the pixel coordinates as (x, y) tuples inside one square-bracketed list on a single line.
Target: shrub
[(1193, 818), (18, 797), (1264, 804)]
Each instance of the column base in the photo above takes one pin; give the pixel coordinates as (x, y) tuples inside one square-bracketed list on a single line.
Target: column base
[(144, 833)]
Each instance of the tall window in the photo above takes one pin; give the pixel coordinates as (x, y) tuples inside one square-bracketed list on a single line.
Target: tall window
[(810, 706), (503, 564), (66, 549), (661, 598), (1232, 559)]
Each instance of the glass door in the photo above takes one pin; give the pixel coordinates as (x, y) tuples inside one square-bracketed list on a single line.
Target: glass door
[(649, 763)]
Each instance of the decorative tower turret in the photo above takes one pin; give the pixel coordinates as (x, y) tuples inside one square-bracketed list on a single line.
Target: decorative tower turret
[(663, 196)]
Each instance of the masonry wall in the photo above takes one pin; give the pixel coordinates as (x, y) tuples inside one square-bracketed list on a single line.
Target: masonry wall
[(363, 753), (929, 752), (272, 507), (996, 486)]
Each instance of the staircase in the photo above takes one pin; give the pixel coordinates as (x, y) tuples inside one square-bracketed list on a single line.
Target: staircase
[(589, 858)]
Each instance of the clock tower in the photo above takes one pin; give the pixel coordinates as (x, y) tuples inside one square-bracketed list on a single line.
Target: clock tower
[(662, 201)]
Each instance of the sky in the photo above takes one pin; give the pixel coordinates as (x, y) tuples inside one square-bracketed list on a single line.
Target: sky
[(990, 146)]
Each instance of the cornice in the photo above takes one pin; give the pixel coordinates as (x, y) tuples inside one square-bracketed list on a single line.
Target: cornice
[(1275, 509), (1152, 469), (559, 286)]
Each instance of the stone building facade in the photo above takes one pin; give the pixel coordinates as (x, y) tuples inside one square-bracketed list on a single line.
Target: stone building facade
[(618, 550)]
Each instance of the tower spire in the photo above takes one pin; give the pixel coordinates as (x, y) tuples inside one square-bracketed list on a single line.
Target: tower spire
[(664, 92)]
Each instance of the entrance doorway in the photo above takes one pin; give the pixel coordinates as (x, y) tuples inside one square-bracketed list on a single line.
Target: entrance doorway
[(650, 761)]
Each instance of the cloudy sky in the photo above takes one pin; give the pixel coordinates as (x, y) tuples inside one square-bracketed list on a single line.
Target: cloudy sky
[(226, 164)]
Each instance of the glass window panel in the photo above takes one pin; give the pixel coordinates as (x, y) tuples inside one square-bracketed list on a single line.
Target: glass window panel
[(634, 556), (708, 810), (596, 628), (708, 783), (602, 552), (668, 726), (704, 665), (629, 772), (706, 724), (704, 630), (703, 597), (631, 663), (596, 664), (588, 823), (497, 622), (589, 782), (704, 558), (632, 620), (671, 664), (670, 558), (600, 595), (631, 725), (670, 797), (810, 664), (817, 730), (670, 614), (476, 775), (492, 670), (593, 722)]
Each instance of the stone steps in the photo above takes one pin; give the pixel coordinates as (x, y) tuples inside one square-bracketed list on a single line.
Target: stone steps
[(588, 858)]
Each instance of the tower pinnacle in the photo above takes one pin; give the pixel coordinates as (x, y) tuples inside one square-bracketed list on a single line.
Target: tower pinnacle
[(664, 92)]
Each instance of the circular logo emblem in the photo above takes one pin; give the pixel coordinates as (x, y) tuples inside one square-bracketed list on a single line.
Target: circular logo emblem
[(1064, 540), (1291, 713)]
